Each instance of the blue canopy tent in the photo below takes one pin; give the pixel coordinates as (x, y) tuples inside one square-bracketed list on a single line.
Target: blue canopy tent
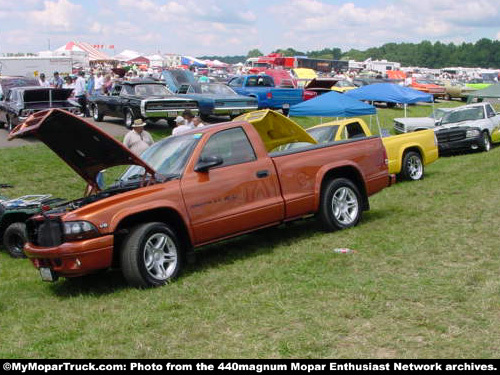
[(391, 93), (332, 104)]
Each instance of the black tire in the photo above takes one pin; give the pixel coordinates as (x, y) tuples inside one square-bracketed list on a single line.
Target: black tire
[(96, 115), (390, 105), (146, 261), (128, 118), (341, 205), (9, 125), (485, 142), (14, 239), (412, 168)]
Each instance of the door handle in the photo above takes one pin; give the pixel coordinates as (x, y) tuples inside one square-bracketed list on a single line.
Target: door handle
[(263, 174)]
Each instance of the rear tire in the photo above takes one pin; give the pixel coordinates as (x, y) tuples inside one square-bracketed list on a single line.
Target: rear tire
[(151, 255), (129, 118), (14, 239), (413, 167), (96, 114), (340, 205)]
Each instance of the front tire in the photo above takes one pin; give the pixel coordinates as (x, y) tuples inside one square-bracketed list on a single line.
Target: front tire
[(10, 126), (485, 142), (413, 167), (151, 255), (340, 205), (14, 239)]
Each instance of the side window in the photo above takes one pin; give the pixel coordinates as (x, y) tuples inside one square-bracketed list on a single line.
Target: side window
[(116, 90), (352, 130), (236, 82), (489, 111), (232, 145)]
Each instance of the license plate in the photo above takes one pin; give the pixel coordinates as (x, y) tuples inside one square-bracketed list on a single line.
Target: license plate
[(47, 274), (286, 106), (172, 113), (235, 113)]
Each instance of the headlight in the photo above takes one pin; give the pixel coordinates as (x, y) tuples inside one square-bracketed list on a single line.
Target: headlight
[(79, 230), (27, 112), (472, 133)]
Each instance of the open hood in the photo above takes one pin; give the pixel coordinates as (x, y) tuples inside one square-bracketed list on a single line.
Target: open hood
[(82, 145), (46, 94)]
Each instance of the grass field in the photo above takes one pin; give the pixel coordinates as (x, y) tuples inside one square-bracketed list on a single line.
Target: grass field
[(423, 281)]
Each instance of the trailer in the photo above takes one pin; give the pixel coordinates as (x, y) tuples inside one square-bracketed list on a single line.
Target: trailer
[(32, 66)]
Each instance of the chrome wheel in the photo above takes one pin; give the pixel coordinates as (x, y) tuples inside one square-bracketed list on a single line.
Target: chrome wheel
[(151, 255), (486, 142), (345, 206), (129, 119), (160, 256), (415, 167)]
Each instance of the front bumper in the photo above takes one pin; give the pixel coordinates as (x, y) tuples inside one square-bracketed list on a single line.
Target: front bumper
[(461, 145), (233, 111), (71, 259)]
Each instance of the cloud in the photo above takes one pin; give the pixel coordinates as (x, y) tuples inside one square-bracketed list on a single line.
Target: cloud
[(318, 23), (58, 16)]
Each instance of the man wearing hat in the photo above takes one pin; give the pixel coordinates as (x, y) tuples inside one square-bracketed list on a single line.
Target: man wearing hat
[(137, 140)]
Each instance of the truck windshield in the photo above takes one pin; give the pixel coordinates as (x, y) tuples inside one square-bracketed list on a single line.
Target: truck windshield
[(469, 114), (167, 157)]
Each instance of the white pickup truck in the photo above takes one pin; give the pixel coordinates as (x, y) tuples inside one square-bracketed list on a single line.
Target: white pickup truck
[(473, 126)]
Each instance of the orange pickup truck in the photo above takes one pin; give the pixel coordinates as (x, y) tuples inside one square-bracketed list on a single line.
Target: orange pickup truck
[(190, 190)]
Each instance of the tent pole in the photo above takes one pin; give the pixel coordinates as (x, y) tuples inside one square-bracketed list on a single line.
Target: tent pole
[(379, 128), (405, 105)]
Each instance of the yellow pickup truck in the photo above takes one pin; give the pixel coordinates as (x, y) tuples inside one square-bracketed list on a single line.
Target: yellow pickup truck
[(407, 153)]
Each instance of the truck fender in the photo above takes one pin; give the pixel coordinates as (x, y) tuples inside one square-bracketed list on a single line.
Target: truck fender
[(404, 149), (342, 168), (158, 213)]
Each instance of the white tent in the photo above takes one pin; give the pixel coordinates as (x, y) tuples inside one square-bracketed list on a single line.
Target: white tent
[(127, 55)]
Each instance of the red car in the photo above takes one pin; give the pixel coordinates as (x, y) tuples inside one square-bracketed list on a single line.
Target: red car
[(428, 86)]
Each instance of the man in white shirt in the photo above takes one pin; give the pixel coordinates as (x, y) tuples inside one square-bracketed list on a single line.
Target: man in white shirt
[(181, 126), (80, 94), (43, 82), (99, 82), (137, 140), (188, 116)]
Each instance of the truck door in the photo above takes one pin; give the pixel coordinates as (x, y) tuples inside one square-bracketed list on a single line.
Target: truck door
[(241, 194), (494, 123)]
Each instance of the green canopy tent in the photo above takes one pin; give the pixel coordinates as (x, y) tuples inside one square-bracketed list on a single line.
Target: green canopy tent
[(492, 91)]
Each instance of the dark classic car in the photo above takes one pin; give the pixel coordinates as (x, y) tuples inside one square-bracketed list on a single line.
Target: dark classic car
[(218, 99), (21, 102), (142, 99), (8, 82)]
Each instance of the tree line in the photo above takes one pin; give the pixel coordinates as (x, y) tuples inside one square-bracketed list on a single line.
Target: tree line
[(485, 53)]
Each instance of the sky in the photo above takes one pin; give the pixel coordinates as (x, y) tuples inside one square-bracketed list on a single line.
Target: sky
[(229, 27)]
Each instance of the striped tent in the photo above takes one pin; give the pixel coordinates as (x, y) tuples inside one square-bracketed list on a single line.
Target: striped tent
[(94, 53)]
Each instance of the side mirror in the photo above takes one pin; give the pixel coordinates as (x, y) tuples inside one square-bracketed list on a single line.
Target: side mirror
[(207, 162)]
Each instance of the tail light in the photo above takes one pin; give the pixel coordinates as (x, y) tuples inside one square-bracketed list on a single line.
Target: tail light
[(384, 156), (269, 95)]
